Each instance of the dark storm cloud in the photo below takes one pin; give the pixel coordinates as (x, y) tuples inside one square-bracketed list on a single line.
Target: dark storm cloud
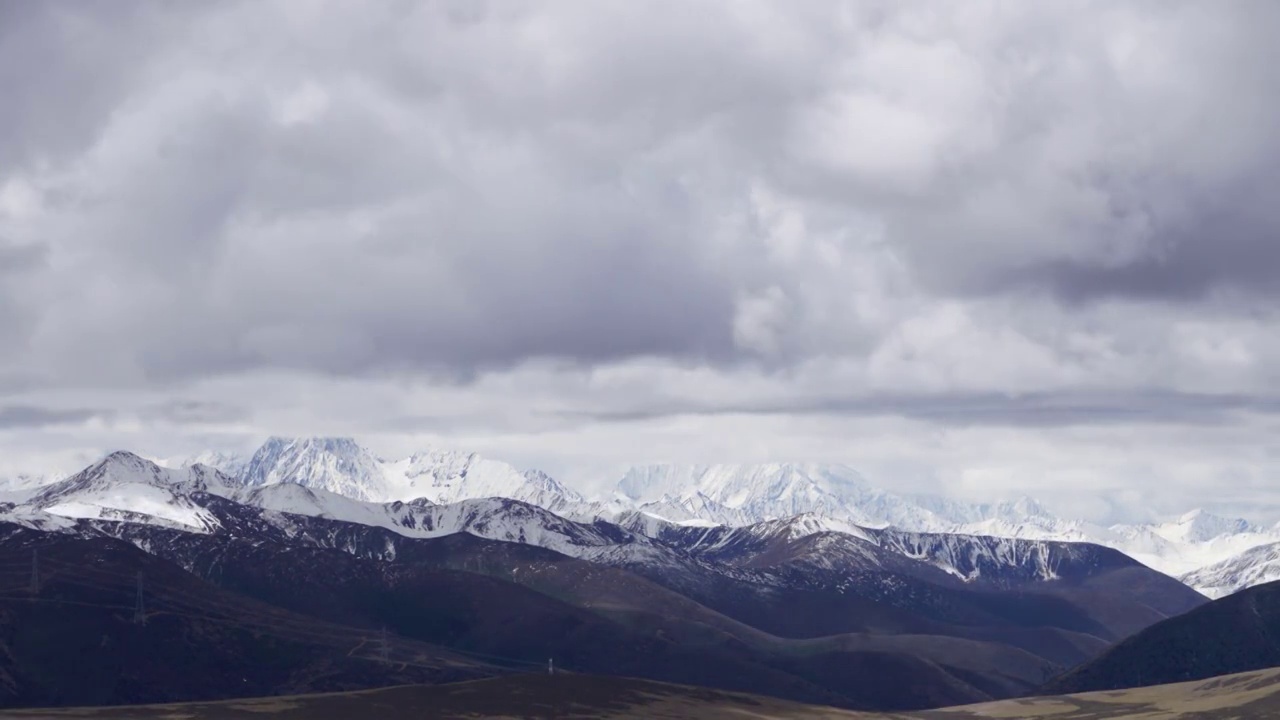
[(1044, 233), (218, 233), (1229, 244), (1138, 163), (453, 189), (24, 417), (65, 66), (195, 412), (982, 409), (16, 259), (16, 318)]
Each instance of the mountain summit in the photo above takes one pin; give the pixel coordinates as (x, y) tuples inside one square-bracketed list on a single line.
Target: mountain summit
[(1201, 526), (123, 486), (746, 494), (338, 465), (344, 467)]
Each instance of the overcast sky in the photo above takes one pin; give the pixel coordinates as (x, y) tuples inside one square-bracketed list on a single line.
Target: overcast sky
[(980, 248)]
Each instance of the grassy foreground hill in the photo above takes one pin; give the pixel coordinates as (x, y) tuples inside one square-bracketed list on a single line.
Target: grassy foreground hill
[(565, 697)]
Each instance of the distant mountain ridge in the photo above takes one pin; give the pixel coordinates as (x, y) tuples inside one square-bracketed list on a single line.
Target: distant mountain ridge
[(738, 496), (1252, 567), (124, 487), (786, 599), (745, 494), (344, 467)]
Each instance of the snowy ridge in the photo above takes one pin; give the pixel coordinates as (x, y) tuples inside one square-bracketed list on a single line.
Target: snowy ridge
[(1199, 526), (649, 500), (228, 464), (123, 486), (34, 518), (25, 484), (748, 494), (342, 466), (755, 493), (445, 476), (337, 465), (968, 557), (294, 499), (695, 510), (492, 518), (1195, 540), (1252, 567), (126, 488), (717, 540), (800, 545)]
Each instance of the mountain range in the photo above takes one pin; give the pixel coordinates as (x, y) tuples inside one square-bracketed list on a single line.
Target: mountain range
[(806, 607), (1214, 555)]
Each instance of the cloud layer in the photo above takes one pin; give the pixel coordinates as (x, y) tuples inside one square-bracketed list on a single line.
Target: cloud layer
[(742, 226)]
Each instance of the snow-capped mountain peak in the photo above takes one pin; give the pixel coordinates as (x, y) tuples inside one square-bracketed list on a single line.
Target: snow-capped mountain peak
[(1022, 508), (342, 466), (1201, 526), (747, 494), (339, 465), (125, 486), (800, 526), (338, 478), (22, 485), (755, 492), (1252, 567), (231, 464), (122, 467)]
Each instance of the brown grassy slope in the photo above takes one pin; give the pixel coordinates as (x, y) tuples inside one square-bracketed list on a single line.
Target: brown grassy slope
[(561, 696), (577, 697)]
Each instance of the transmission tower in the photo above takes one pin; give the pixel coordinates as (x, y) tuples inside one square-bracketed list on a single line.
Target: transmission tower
[(139, 608), (384, 646), (35, 572)]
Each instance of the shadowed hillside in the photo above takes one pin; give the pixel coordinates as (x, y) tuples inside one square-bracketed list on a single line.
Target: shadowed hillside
[(73, 633), (1238, 633)]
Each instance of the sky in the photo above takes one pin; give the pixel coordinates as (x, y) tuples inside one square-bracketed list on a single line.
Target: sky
[(983, 249)]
